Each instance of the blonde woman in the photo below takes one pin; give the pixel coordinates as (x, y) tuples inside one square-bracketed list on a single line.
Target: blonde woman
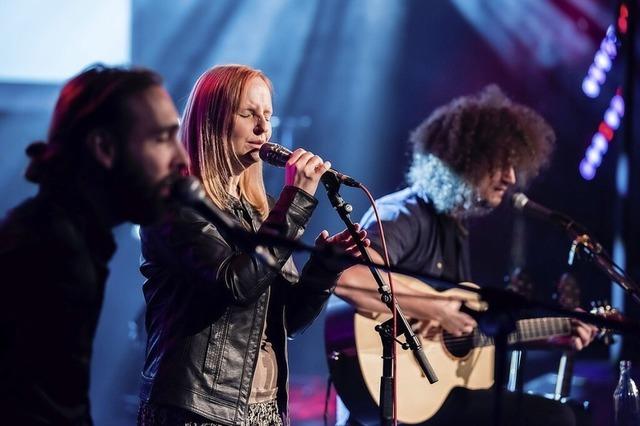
[(217, 319)]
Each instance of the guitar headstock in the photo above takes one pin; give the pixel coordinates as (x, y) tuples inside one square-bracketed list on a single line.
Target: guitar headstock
[(604, 309), (568, 292)]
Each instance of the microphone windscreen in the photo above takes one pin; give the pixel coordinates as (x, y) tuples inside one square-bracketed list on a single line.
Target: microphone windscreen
[(519, 200), (274, 154), (187, 189)]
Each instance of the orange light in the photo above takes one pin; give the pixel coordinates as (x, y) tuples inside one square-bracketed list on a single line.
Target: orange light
[(606, 131), (624, 11), (622, 19)]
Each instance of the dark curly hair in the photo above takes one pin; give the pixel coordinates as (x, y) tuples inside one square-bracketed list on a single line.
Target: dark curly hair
[(479, 134), (94, 99)]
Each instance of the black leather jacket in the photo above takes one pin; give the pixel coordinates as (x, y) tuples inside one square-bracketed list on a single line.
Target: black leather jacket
[(207, 303)]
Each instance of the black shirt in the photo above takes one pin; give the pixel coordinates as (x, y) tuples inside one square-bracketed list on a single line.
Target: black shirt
[(53, 267), (419, 238)]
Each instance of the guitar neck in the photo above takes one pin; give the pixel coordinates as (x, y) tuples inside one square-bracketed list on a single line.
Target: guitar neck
[(530, 330)]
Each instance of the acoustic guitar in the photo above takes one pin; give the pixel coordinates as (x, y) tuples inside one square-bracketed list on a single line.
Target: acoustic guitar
[(354, 355)]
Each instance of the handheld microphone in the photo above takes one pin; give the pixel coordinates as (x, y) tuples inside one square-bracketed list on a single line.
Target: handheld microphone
[(277, 155), (188, 191), (522, 203)]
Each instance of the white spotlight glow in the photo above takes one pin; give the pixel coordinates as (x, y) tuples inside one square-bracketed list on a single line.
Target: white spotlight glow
[(602, 61), (600, 143), (612, 118), (597, 74), (587, 171), (617, 103), (609, 47), (593, 156), (590, 87)]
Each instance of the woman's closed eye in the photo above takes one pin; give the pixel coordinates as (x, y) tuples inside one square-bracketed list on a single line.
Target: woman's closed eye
[(248, 114)]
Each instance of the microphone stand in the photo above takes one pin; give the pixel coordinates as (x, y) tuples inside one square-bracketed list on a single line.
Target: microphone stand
[(592, 250), (385, 330)]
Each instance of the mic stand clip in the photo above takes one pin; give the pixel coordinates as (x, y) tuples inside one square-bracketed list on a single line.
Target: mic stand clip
[(583, 241), (594, 252)]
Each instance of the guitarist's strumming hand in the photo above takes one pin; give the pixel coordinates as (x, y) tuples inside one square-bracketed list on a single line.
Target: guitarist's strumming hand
[(426, 308), (446, 314)]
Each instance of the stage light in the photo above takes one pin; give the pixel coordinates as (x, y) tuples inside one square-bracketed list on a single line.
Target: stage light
[(623, 17), (602, 61), (606, 131), (135, 232), (590, 87), (597, 74), (612, 118), (600, 143), (45, 42), (593, 156), (587, 171), (608, 46), (600, 140), (617, 104)]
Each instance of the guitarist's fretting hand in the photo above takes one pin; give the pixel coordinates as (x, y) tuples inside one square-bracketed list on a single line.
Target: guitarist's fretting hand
[(582, 335)]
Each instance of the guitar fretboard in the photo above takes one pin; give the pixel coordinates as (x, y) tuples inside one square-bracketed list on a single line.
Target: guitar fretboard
[(529, 330)]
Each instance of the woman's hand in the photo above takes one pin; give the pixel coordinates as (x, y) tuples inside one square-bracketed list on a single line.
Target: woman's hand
[(344, 241), (304, 169), (341, 243)]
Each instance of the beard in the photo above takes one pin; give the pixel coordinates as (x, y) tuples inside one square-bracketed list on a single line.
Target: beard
[(139, 199)]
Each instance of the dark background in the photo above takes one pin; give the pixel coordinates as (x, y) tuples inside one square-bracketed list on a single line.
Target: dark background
[(351, 79)]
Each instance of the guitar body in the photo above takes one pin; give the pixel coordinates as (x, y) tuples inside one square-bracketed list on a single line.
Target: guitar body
[(354, 354)]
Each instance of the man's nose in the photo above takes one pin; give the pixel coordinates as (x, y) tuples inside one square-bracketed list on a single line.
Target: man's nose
[(509, 175)]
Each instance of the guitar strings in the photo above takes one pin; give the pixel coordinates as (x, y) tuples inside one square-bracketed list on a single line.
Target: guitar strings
[(536, 326)]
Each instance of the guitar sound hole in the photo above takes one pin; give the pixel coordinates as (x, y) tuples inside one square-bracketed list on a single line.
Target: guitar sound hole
[(459, 347)]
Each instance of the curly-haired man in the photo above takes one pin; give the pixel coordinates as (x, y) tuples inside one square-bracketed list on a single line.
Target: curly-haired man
[(466, 156)]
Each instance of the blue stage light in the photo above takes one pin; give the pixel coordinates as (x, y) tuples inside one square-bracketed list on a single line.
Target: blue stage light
[(600, 143), (602, 63), (600, 140), (612, 118), (590, 87), (587, 171)]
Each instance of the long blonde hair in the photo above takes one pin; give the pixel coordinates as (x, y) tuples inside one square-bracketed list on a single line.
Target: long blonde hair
[(207, 124)]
